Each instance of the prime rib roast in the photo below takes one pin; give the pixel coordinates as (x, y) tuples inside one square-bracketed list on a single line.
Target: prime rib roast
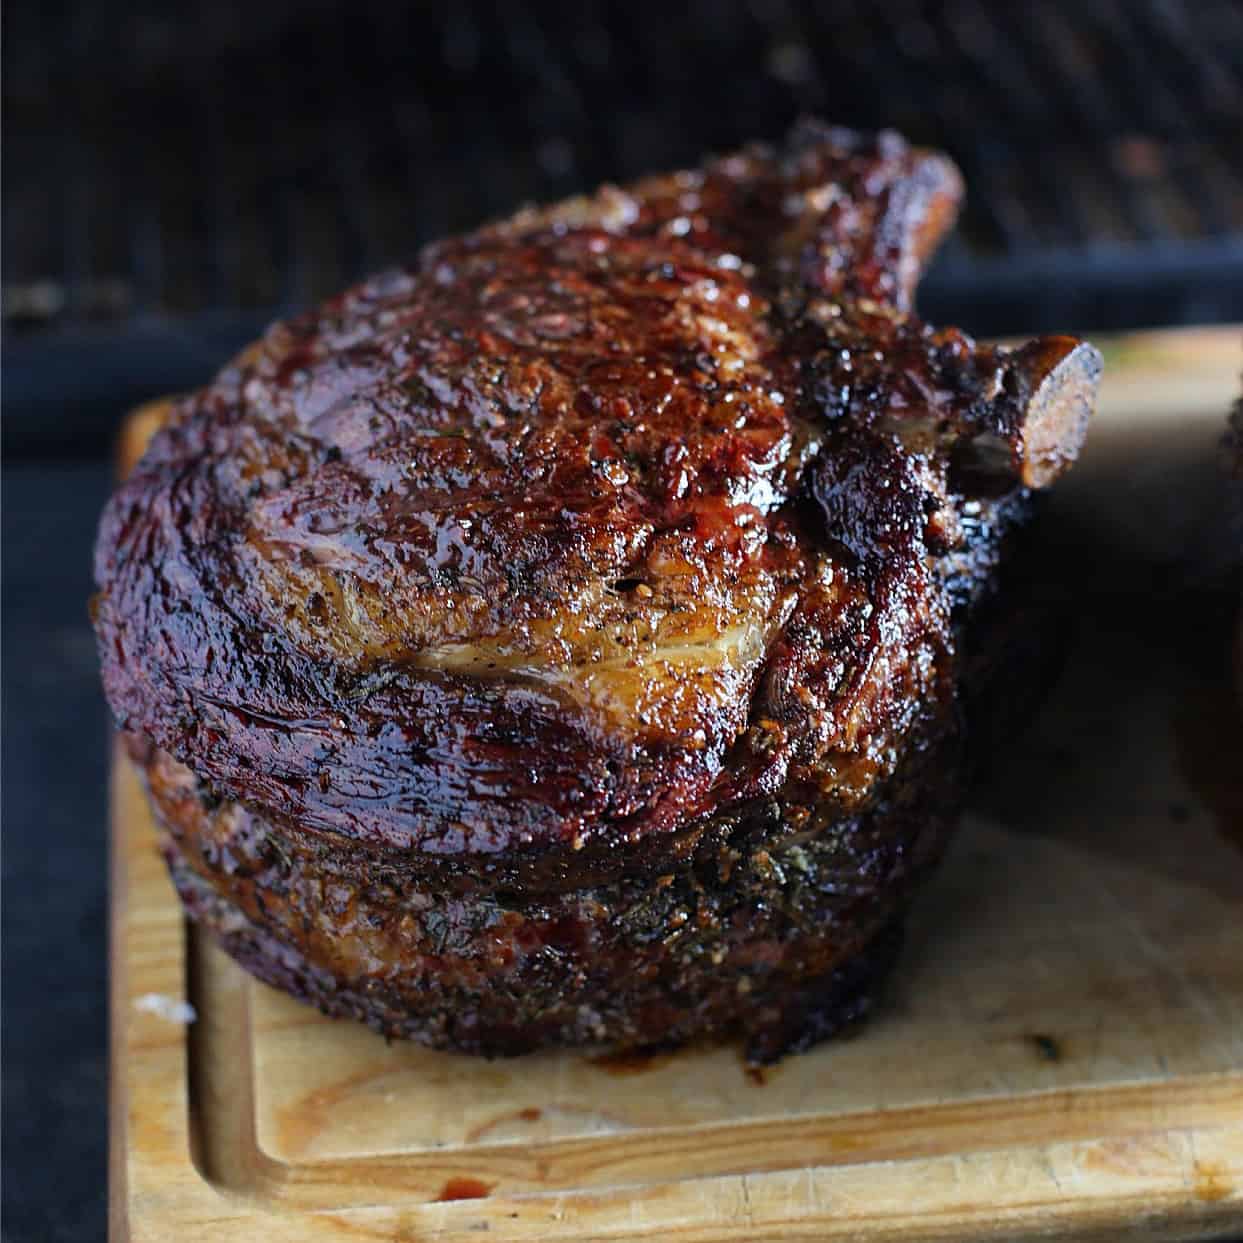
[(564, 640)]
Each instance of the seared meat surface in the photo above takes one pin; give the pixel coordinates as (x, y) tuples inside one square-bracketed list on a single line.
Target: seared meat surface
[(559, 641)]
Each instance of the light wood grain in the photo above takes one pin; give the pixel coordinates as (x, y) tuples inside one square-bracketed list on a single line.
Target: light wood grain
[(1061, 1052)]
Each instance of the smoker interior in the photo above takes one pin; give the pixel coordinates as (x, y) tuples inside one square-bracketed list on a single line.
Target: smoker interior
[(176, 175)]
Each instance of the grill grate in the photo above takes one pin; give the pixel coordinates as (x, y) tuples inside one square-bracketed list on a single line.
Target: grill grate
[(221, 159), (237, 159)]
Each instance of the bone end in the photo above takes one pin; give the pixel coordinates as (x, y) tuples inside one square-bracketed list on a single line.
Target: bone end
[(1064, 375)]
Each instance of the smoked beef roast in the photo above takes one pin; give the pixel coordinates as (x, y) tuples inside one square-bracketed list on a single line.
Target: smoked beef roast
[(562, 640)]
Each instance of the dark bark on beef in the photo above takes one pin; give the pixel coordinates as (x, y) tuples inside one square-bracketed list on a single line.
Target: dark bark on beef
[(754, 933), (618, 543)]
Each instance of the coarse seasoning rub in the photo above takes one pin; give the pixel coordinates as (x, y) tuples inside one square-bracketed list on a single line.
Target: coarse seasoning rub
[(562, 640)]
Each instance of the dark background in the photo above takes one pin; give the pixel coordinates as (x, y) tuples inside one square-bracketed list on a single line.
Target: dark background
[(174, 175)]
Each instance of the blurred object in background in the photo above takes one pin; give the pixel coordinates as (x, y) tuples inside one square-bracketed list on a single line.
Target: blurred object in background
[(176, 174)]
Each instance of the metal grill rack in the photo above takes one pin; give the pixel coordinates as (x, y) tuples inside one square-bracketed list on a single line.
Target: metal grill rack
[(176, 175)]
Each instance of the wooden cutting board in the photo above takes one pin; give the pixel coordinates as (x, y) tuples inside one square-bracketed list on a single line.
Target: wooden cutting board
[(1060, 1054)]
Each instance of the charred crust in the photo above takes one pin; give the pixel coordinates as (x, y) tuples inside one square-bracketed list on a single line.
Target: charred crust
[(603, 579)]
